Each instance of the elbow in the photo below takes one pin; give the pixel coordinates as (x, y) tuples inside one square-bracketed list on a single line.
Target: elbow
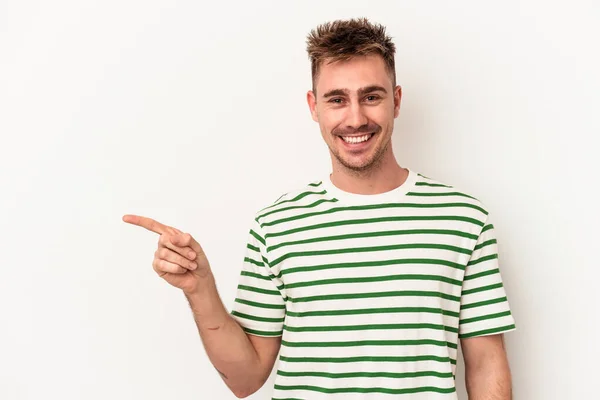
[(244, 384), (245, 390), (242, 393)]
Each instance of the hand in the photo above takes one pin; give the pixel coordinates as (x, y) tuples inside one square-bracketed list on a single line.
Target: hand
[(179, 258)]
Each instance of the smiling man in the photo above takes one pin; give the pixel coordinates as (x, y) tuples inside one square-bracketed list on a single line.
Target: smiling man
[(366, 281), (355, 102)]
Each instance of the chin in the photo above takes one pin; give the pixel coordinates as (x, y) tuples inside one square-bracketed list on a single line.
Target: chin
[(357, 165)]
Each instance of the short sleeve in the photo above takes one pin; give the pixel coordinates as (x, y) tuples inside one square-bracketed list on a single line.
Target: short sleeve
[(484, 306), (259, 306)]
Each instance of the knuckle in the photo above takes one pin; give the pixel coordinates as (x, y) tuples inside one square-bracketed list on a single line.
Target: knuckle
[(161, 239)]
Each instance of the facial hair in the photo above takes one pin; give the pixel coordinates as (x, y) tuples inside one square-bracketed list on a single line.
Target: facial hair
[(377, 157)]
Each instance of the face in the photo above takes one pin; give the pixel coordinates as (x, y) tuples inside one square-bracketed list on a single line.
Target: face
[(355, 105)]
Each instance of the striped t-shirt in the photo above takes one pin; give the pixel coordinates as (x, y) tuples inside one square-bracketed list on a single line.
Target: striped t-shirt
[(371, 293)]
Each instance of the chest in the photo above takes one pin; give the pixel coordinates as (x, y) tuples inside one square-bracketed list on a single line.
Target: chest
[(391, 260)]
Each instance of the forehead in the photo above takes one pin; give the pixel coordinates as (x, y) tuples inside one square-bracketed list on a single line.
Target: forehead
[(359, 71)]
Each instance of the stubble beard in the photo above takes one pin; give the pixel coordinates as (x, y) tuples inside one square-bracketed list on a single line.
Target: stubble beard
[(369, 166)]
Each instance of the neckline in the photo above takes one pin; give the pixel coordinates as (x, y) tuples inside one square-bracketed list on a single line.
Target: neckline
[(394, 195)]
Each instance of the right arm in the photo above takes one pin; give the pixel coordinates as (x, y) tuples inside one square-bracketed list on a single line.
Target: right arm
[(244, 361)]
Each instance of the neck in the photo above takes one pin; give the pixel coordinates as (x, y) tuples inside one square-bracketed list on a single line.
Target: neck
[(383, 176)]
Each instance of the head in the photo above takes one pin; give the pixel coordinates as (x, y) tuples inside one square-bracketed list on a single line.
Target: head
[(354, 95)]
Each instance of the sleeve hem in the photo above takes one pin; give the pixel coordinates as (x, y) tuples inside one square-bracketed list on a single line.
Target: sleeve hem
[(262, 333), (487, 332)]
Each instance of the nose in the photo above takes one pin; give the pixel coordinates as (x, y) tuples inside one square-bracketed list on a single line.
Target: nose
[(356, 116)]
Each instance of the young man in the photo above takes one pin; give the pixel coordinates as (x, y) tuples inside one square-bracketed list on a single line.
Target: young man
[(365, 280)]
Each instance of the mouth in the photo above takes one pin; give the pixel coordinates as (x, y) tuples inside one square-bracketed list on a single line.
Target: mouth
[(355, 140)]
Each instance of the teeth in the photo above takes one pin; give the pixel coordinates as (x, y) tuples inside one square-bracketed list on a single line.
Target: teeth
[(357, 139)]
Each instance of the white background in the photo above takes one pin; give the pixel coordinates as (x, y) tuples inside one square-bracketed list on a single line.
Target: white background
[(195, 115)]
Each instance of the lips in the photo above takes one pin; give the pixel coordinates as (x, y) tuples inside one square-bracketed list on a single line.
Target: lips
[(356, 139)]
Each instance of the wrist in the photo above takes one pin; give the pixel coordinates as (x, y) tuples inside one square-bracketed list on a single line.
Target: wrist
[(206, 305), (204, 279)]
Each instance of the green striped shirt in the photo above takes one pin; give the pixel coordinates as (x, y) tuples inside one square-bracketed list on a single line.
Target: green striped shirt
[(371, 293)]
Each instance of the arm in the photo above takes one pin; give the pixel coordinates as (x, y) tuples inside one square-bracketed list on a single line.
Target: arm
[(487, 373), (485, 316), (243, 361)]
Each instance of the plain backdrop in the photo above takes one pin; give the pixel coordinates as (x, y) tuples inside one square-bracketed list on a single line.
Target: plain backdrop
[(194, 113)]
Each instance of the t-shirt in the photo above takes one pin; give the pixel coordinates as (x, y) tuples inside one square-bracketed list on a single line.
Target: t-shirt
[(371, 293)]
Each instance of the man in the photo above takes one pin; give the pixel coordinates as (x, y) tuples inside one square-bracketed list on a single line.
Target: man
[(365, 279)]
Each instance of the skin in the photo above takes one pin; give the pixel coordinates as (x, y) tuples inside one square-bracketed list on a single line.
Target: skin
[(243, 361), (487, 372), (350, 98)]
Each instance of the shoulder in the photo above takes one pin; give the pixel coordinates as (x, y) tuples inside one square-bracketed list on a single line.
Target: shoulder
[(430, 188), (299, 196)]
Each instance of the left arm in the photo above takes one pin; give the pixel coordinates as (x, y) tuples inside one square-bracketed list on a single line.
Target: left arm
[(487, 373)]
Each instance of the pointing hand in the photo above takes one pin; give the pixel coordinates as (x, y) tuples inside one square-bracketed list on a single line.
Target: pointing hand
[(179, 258)]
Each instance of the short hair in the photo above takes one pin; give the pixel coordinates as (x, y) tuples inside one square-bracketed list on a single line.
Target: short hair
[(341, 40)]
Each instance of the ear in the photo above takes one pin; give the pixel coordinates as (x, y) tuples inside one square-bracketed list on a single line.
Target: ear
[(397, 98), (312, 105)]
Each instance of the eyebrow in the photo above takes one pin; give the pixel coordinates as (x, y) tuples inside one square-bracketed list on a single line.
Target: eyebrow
[(361, 91)]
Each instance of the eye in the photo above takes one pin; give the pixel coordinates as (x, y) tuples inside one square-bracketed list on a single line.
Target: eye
[(372, 97), (336, 100)]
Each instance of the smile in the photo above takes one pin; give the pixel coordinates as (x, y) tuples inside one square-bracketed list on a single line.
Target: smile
[(357, 139)]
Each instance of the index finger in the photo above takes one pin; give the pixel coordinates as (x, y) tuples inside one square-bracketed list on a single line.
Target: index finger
[(145, 222)]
